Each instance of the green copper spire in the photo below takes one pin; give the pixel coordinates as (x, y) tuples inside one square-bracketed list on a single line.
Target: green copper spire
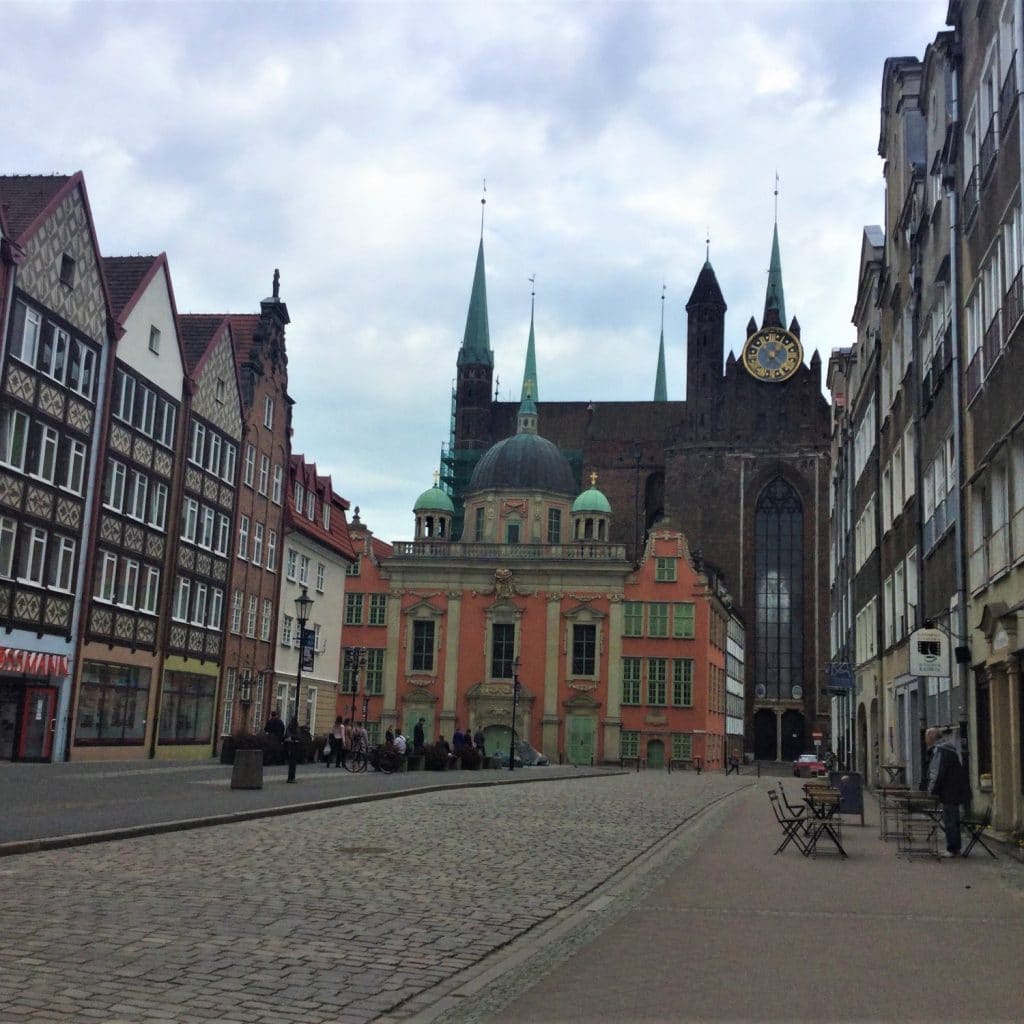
[(476, 342), (774, 300), (527, 423), (530, 372), (660, 386)]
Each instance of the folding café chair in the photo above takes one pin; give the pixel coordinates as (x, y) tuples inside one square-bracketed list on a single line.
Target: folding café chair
[(974, 825), (792, 826)]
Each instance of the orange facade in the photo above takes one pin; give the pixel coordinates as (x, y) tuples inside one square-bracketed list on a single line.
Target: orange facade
[(611, 661)]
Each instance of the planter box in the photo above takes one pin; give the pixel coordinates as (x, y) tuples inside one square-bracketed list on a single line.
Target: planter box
[(247, 771)]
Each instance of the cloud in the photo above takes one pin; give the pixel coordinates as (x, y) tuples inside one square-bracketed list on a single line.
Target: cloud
[(347, 143)]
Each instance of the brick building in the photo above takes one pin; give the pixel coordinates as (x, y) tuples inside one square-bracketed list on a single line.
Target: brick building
[(741, 467)]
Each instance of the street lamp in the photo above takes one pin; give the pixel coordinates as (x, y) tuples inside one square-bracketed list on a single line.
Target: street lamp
[(515, 705), (355, 659), (303, 603)]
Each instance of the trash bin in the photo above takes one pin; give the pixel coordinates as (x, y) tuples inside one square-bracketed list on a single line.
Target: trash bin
[(247, 771)]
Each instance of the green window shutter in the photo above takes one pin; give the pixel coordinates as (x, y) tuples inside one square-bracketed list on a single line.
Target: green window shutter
[(682, 620), (630, 680), (657, 619), (682, 682), (656, 671), (633, 618)]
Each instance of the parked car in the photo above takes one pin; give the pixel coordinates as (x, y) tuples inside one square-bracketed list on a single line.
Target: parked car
[(807, 765)]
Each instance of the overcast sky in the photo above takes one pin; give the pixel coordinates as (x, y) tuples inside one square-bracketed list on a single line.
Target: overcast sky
[(347, 144)]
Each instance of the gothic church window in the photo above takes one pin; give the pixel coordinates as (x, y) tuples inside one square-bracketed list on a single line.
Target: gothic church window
[(779, 590)]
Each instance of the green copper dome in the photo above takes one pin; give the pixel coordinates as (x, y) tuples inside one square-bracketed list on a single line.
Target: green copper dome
[(523, 462), (433, 500), (592, 500)]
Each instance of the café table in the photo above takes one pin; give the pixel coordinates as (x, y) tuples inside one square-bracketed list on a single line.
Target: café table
[(918, 821)]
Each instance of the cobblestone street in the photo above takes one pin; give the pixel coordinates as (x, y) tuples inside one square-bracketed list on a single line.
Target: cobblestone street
[(346, 914)]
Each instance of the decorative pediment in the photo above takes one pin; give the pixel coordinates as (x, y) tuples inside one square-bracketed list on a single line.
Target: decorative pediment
[(504, 610), (581, 702), (423, 609), (583, 612)]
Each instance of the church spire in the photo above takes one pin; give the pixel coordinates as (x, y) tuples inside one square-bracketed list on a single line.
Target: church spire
[(660, 384), (527, 420), (774, 299), (476, 342), (530, 371)]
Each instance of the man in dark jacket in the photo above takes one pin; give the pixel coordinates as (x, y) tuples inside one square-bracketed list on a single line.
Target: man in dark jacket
[(275, 726), (948, 781), (418, 736)]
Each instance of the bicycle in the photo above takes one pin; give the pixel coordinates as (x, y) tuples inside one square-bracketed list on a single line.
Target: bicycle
[(385, 760), (356, 761)]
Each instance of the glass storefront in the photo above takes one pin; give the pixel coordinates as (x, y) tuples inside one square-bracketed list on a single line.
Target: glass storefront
[(112, 704), (186, 708)]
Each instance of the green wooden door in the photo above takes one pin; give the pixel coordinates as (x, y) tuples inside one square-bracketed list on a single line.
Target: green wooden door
[(655, 754), (581, 730)]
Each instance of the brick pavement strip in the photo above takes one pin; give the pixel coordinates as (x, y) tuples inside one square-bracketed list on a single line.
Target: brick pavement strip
[(346, 913)]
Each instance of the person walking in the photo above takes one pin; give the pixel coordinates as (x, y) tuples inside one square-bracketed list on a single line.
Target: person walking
[(734, 763), (948, 781)]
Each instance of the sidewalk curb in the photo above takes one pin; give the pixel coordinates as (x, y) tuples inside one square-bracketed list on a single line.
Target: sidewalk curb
[(22, 846)]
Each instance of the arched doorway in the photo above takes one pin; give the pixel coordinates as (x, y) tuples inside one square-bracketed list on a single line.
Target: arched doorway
[(655, 754), (496, 740), (794, 740), (766, 744)]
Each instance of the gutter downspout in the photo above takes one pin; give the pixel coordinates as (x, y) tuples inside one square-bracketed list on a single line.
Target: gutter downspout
[(960, 630)]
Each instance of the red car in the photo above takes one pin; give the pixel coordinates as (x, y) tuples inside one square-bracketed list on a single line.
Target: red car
[(807, 765)]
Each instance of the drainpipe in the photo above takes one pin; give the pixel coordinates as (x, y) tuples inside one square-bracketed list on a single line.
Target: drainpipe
[(953, 198)]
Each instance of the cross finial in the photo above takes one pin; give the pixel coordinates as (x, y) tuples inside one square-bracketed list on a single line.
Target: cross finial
[(483, 207), (663, 307), (497, 387), (277, 283), (593, 478), (707, 244), (437, 477), (776, 196)]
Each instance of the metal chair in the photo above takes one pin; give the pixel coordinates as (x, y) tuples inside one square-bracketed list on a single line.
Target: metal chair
[(974, 825), (792, 826)]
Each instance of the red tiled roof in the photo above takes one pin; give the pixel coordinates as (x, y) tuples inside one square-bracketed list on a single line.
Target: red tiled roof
[(242, 327), (337, 538), (124, 274), (25, 196), (197, 331)]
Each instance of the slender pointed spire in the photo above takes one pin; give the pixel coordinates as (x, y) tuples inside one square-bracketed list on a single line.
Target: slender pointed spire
[(774, 300), (476, 342), (527, 422), (530, 370), (660, 383)]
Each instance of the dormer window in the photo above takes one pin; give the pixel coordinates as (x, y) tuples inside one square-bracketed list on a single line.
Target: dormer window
[(221, 386), (67, 271)]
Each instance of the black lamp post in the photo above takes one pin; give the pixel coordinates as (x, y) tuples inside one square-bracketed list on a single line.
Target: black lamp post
[(355, 659), (515, 705), (303, 603)]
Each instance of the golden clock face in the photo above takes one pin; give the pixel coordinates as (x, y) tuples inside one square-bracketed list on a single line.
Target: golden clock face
[(772, 354)]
